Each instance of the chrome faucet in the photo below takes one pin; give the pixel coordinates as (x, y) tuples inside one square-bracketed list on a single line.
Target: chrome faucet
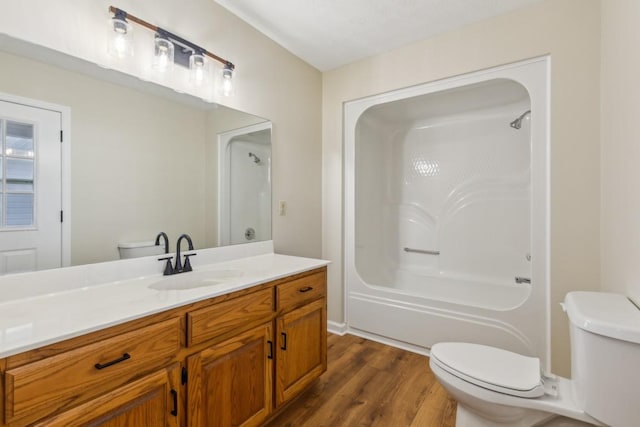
[(178, 267), (166, 241)]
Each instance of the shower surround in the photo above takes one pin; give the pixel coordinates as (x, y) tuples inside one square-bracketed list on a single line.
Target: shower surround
[(244, 185), (447, 212)]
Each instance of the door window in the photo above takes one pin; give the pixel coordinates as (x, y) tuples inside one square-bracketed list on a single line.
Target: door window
[(17, 168)]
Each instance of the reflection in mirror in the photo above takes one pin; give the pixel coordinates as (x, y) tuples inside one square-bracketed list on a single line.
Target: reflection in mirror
[(244, 196), (143, 159)]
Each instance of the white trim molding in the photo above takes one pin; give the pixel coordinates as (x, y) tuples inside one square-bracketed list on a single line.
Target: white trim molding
[(336, 328)]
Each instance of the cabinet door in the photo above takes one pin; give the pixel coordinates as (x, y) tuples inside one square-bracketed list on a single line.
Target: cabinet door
[(301, 354), (151, 401), (231, 383)]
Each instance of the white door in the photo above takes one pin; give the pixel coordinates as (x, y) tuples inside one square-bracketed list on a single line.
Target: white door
[(30, 188)]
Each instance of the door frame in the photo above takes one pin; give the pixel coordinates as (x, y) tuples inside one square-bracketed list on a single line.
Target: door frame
[(65, 164)]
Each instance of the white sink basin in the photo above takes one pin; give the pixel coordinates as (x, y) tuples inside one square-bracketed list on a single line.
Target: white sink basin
[(196, 279)]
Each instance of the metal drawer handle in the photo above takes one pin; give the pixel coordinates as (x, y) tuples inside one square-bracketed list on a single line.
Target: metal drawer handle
[(307, 289), (174, 394), (270, 355), (284, 341), (124, 357)]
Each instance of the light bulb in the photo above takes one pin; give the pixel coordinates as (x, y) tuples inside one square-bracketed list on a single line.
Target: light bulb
[(197, 68), (163, 54), (120, 44), (227, 84), (120, 37)]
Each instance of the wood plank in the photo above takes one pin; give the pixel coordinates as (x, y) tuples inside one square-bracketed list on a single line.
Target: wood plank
[(371, 384), (438, 409)]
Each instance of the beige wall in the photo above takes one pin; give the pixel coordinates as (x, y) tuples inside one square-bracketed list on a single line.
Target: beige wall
[(270, 82), (620, 147), (568, 30)]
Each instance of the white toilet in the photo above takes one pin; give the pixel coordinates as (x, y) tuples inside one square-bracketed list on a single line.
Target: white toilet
[(139, 249), (495, 387)]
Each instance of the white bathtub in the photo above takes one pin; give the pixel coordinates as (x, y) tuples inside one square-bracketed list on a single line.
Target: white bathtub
[(463, 291), (446, 212)]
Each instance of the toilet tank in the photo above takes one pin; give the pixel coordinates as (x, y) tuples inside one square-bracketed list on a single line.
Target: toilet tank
[(139, 249), (605, 356)]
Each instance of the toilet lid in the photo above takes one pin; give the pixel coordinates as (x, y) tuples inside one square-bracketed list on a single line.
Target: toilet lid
[(491, 368)]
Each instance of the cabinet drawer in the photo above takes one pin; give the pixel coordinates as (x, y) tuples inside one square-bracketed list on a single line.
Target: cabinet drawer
[(242, 312), (63, 381), (301, 291)]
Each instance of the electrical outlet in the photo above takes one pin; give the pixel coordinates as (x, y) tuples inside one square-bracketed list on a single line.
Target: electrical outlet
[(282, 208)]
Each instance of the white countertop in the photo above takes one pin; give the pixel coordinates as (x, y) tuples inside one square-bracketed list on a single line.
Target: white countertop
[(38, 320)]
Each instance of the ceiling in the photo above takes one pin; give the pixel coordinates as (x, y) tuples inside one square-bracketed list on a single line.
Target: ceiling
[(331, 33)]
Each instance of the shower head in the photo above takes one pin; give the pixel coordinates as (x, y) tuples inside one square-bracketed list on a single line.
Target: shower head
[(256, 159), (517, 123)]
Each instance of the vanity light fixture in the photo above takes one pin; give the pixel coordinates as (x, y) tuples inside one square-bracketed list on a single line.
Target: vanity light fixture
[(120, 35), (227, 85), (163, 53), (169, 49), (198, 66)]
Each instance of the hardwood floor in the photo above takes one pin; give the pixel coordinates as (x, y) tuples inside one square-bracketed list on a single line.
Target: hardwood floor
[(371, 384)]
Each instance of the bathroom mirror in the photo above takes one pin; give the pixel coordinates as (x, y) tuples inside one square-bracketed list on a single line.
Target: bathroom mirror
[(144, 158)]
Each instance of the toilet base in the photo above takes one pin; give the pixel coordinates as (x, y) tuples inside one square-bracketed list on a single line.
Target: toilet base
[(512, 417), (468, 418)]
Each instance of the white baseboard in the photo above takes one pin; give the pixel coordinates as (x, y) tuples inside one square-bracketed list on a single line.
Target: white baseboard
[(337, 328), (389, 341), (342, 329)]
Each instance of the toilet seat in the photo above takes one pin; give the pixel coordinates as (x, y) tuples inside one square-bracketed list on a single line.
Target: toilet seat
[(491, 368)]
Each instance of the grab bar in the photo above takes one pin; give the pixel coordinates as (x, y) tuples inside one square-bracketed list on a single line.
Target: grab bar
[(522, 280), (422, 251)]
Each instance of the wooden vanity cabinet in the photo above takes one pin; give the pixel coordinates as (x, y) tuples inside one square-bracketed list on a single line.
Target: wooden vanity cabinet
[(301, 332), (232, 383), (232, 360)]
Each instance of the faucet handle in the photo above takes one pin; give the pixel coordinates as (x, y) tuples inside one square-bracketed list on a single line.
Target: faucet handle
[(187, 263), (168, 269)]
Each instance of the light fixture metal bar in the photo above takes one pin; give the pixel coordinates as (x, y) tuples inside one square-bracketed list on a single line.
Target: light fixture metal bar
[(195, 47)]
